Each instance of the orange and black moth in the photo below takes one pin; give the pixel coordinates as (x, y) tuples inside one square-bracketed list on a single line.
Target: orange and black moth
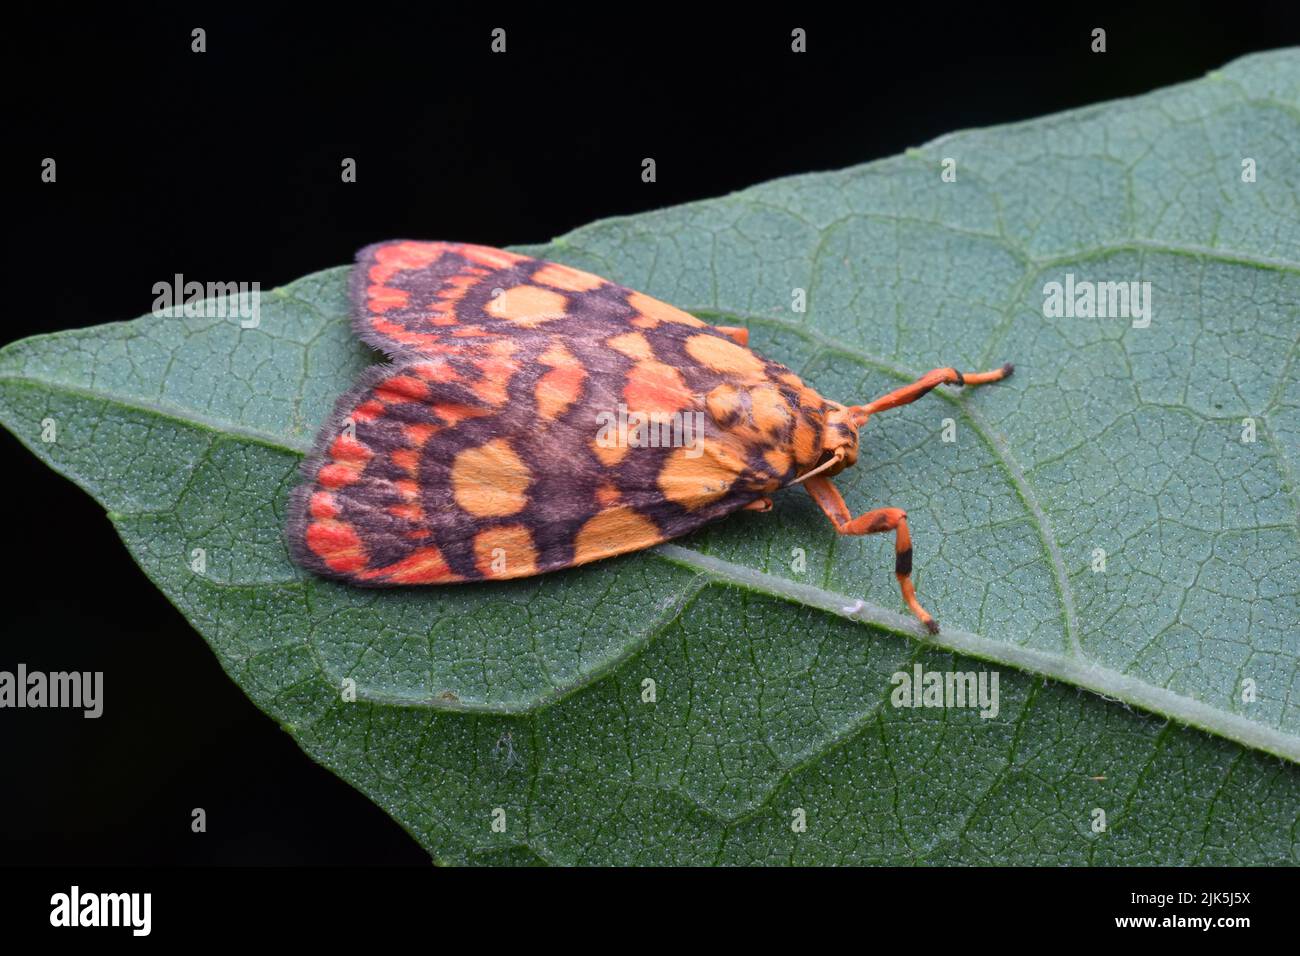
[(482, 450)]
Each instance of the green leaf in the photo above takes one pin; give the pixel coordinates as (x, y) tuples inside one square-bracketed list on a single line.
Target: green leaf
[(773, 684)]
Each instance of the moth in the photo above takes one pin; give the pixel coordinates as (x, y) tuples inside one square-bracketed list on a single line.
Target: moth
[(487, 447)]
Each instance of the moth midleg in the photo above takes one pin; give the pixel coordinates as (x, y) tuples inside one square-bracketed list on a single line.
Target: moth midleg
[(939, 376), (828, 498), (759, 504)]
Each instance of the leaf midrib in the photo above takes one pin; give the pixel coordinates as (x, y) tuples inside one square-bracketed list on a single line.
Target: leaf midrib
[(1105, 681)]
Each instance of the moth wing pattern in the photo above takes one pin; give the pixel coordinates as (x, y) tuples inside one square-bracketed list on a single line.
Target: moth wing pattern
[(477, 453), (435, 297)]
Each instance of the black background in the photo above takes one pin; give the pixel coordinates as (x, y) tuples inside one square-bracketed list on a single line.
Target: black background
[(226, 165)]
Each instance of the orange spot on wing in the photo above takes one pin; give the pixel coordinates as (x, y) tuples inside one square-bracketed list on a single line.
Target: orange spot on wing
[(381, 298), (693, 482), (660, 310), (556, 354), (418, 434), (458, 285), (400, 256), (438, 370), (528, 305), (607, 494), (723, 355), (407, 459), (453, 412), (347, 449), (758, 414), (724, 405), (489, 481), (490, 257), (615, 531), (506, 552), (633, 345), (323, 505), (336, 543), (493, 387), (558, 389), (400, 333), (654, 388), (408, 512), (566, 278), (425, 566), (401, 388), (339, 474), (610, 454)]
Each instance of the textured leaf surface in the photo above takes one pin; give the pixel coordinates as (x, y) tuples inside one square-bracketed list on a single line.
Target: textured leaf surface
[(773, 685)]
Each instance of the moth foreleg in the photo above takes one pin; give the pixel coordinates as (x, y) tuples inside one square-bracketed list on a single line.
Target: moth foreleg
[(879, 520)]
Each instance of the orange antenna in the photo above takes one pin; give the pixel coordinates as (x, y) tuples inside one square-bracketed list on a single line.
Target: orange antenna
[(939, 376)]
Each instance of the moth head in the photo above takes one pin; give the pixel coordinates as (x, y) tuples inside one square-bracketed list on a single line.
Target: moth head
[(839, 442)]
